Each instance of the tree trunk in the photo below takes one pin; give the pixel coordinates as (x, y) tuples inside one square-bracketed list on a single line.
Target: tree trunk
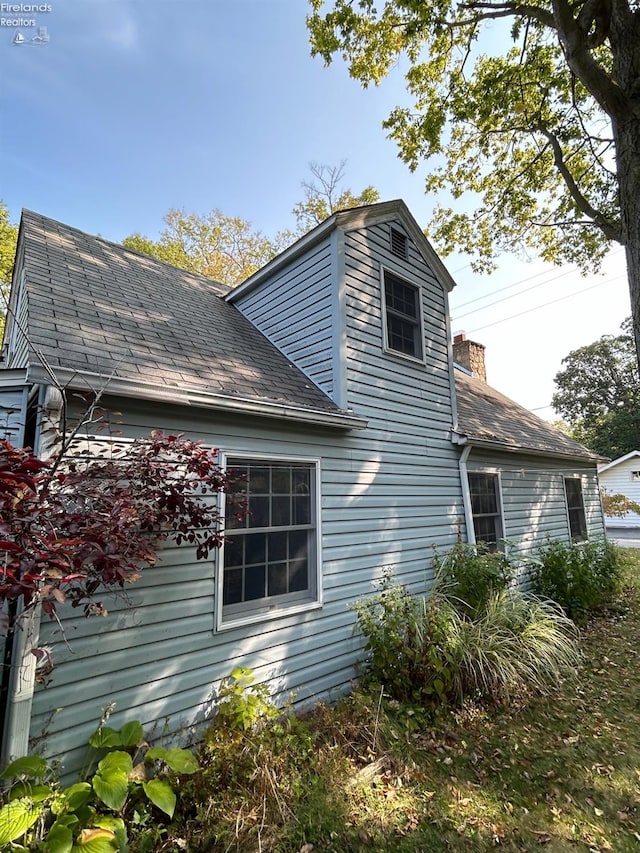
[(625, 40)]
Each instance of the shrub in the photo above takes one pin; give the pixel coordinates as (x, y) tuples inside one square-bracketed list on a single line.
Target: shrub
[(407, 641), (472, 576), (581, 578), (435, 649), (129, 781)]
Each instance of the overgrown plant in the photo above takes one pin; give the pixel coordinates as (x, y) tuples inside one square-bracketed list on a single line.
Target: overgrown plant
[(241, 704), (75, 525), (581, 577), (407, 642), (435, 649), (472, 575), (513, 645), (91, 816)]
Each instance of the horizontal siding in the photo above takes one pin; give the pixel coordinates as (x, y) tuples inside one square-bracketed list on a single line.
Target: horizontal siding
[(533, 498), (294, 310), (157, 655), (617, 481)]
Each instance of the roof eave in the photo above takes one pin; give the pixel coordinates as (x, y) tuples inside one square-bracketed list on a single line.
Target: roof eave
[(487, 444), (96, 383)]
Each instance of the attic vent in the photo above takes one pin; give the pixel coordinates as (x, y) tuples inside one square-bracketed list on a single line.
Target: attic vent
[(399, 243)]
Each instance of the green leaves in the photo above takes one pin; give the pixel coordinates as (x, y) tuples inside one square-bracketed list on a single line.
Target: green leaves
[(30, 765), (161, 795), (16, 818), (178, 760), (111, 781), (501, 119)]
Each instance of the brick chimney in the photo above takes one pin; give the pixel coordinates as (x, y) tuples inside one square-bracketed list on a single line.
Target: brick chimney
[(470, 355)]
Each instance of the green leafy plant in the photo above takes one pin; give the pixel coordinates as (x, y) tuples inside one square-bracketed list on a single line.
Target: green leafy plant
[(407, 644), (581, 578), (242, 704), (516, 643), (90, 816), (472, 575), (430, 650)]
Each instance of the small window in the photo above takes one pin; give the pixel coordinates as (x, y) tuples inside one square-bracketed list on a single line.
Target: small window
[(635, 475), (269, 556), (485, 506), (399, 243), (403, 319), (575, 509)]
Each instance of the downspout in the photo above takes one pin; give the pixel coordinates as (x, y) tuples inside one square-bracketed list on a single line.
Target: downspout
[(26, 636), (466, 495), (21, 686)]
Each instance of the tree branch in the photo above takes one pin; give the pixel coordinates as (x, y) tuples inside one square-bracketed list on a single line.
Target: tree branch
[(598, 218)]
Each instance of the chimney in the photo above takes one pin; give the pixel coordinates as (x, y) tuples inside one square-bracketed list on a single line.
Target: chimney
[(470, 355)]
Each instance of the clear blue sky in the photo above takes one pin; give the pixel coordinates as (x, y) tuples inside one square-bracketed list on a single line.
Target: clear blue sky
[(136, 106)]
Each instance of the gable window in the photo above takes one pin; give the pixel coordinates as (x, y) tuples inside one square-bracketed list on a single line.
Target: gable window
[(575, 509), (403, 320), (484, 490), (270, 559), (635, 475)]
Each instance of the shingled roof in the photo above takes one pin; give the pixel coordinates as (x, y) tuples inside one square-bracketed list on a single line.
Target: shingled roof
[(98, 309), (487, 417)]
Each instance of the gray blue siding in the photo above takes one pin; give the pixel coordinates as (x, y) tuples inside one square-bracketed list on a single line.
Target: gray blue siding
[(533, 495), (295, 309)]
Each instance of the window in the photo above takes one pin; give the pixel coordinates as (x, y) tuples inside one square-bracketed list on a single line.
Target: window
[(270, 559), (484, 490), (402, 316), (635, 475), (575, 509)]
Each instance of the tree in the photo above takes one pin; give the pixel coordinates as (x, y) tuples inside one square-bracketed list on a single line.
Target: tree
[(325, 197), (543, 133), (77, 525), (598, 394), (8, 242), (227, 248), (224, 248)]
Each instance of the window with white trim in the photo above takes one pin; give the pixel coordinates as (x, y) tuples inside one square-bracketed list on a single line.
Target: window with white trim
[(269, 560), (575, 509), (484, 490), (403, 317)]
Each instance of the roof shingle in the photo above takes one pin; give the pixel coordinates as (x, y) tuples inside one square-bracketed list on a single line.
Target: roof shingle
[(485, 415), (109, 310)]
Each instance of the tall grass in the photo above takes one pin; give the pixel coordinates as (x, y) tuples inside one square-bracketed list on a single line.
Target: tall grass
[(436, 649)]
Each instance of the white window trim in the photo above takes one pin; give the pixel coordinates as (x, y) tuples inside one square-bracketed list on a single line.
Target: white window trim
[(275, 612), (577, 477), (383, 301), (471, 530)]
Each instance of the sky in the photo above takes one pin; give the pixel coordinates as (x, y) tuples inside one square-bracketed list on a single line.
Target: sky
[(127, 108)]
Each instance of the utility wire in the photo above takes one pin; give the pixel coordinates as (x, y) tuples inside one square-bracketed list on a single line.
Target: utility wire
[(552, 302), (457, 317), (571, 271)]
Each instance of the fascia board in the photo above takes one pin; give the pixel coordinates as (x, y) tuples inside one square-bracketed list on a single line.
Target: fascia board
[(95, 383)]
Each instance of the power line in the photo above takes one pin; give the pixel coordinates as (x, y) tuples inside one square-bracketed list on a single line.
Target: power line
[(524, 280), (552, 302), (457, 317), (505, 298)]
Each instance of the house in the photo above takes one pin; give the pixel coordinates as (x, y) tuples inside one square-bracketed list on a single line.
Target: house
[(622, 477), (331, 371)]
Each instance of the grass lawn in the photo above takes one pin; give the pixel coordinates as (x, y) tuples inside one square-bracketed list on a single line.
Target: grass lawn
[(561, 772)]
